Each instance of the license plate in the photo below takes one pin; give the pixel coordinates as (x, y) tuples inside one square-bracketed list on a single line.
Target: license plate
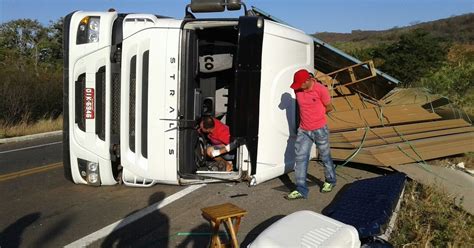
[(89, 103)]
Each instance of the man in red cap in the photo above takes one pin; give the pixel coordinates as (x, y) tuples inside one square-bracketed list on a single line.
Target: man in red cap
[(313, 101)]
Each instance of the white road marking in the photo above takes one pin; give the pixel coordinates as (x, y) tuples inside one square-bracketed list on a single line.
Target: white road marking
[(31, 147), (104, 232)]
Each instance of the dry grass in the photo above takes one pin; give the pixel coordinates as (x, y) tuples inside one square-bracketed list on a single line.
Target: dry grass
[(24, 128), (452, 161), (429, 218)]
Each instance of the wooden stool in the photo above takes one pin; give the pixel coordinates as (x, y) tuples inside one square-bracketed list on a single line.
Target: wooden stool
[(226, 213)]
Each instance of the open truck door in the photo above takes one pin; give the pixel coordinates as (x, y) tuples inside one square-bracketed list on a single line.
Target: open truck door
[(260, 108), (284, 51)]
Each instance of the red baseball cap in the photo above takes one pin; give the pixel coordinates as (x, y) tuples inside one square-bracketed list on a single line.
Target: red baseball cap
[(299, 78)]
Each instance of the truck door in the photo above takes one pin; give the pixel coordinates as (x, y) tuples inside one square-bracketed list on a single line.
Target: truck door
[(149, 100), (284, 51)]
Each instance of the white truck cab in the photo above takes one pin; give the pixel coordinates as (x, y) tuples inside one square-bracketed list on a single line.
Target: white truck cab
[(136, 85)]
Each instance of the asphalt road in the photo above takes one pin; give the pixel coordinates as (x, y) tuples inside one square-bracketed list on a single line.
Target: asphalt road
[(41, 209), (30, 154)]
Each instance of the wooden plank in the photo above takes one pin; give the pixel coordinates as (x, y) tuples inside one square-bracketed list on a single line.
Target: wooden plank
[(392, 131), (368, 104), (329, 81), (421, 143), (351, 73), (409, 96), (347, 103), (350, 70), (343, 90), (438, 150), (398, 139), (340, 104), (323, 78), (343, 154), (338, 121), (402, 153)]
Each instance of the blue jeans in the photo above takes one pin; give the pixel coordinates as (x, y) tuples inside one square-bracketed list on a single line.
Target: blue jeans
[(304, 142)]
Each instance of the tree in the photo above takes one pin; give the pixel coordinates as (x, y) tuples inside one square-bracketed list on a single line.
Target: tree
[(414, 56), (52, 49), (23, 36), (30, 70), (29, 40)]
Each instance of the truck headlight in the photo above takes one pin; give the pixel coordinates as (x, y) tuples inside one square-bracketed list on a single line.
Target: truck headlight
[(88, 30), (89, 171), (91, 166), (93, 178)]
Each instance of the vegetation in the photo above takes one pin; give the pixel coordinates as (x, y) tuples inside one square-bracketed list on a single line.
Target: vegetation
[(414, 56), (431, 219), (24, 128), (30, 71), (436, 55)]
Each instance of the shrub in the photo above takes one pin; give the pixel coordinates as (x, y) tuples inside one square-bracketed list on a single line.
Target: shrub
[(30, 71), (454, 80), (26, 95), (414, 56)]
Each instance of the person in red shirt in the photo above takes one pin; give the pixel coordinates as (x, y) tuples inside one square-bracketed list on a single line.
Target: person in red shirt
[(313, 101), (219, 136)]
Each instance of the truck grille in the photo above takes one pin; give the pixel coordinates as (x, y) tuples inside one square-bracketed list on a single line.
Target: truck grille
[(144, 133), (131, 117), (115, 115), (100, 102), (80, 85)]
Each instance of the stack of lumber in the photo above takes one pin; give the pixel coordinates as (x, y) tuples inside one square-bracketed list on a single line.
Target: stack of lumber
[(401, 144), (391, 131), (378, 116)]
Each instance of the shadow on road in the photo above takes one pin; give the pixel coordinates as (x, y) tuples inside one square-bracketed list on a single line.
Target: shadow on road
[(149, 231), (289, 186), (11, 236), (54, 231), (369, 168)]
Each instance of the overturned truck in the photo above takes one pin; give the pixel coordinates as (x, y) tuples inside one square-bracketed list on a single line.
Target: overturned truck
[(135, 86)]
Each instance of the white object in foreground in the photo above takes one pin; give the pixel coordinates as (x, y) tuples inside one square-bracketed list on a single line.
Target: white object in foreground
[(307, 229)]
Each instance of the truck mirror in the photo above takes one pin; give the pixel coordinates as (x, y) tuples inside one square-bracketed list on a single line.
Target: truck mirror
[(207, 6), (233, 5)]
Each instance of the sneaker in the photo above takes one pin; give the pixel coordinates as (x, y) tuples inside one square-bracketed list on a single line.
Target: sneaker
[(294, 195), (327, 187)]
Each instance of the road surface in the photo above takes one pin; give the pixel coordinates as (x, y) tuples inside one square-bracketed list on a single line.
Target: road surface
[(41, 208)]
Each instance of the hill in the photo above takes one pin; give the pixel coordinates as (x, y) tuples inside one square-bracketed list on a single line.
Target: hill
[(457, 29)]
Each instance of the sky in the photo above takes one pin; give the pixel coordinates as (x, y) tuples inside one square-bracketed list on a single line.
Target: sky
[(309, 15)]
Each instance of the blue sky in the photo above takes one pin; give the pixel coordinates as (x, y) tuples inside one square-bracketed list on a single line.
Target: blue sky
[(308, 15)]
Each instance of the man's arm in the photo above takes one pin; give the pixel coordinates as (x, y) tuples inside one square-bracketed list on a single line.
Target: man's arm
[(225, 149), (329, 107), (326, 98)]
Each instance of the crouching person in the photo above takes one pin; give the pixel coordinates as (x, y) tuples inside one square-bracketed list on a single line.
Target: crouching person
[(219, 136)]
